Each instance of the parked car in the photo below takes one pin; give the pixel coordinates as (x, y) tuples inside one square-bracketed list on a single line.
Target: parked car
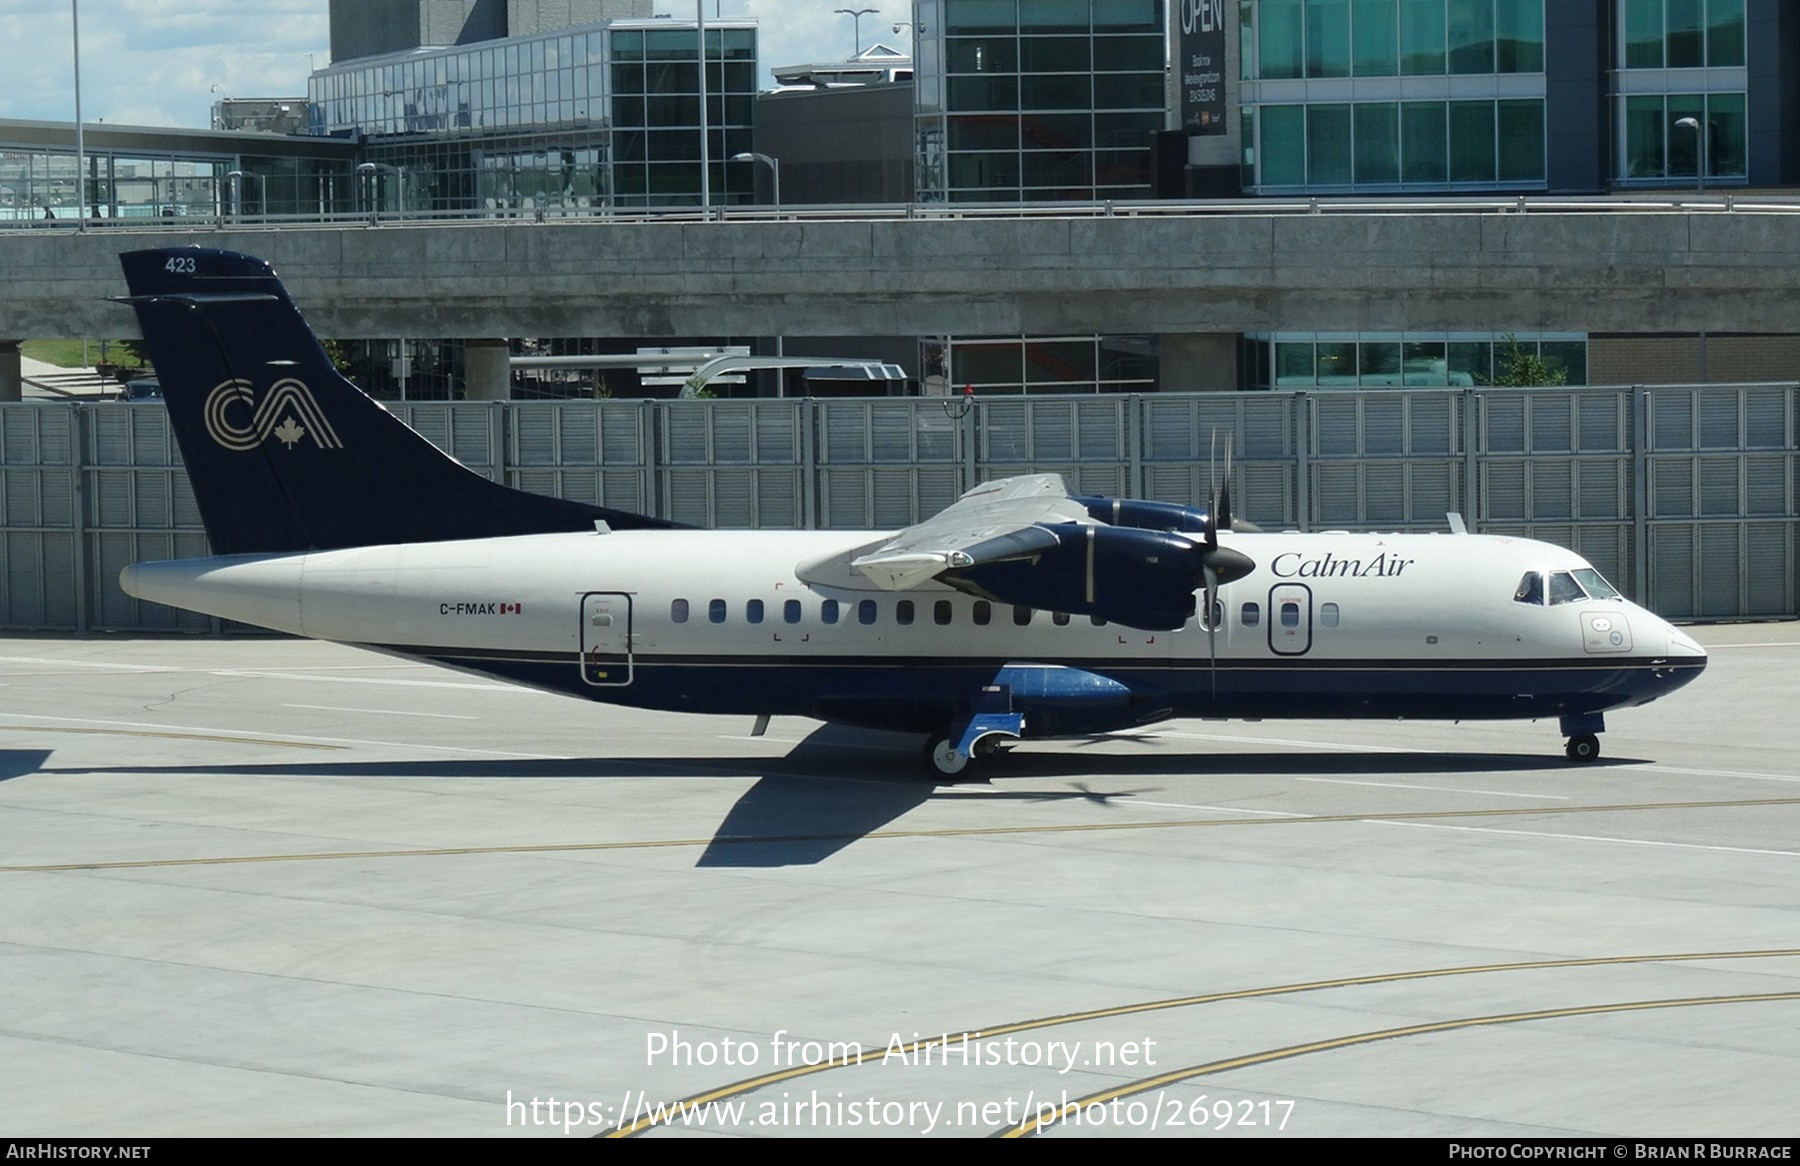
[(141, 389)]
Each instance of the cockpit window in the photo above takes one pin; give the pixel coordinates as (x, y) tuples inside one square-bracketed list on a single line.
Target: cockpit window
[(1596, 584), (1531, 588), (1564, 589)]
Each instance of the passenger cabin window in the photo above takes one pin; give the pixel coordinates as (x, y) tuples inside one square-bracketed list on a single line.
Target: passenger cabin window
[(940, 612), (866, 610), (1328, 615), (753, 611), (903, 611), (1021, 616), (1531, 589), (678, 611), (828, 611), (1251, 614), (790, 611), (1290, 615), (1214, 618), (1098, 621), (1060, 618), (715, 611), (984, 612), (1564, 589)]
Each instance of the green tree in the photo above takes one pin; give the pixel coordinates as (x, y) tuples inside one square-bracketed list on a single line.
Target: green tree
[(133, 354), (1519, 369), (338, 355)]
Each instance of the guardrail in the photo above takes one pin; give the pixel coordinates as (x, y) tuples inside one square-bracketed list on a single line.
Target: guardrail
[(1689, 202)]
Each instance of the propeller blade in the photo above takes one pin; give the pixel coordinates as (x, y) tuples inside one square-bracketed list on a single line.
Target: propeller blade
[(1212, 624), (1224, 497), (1212, 476)]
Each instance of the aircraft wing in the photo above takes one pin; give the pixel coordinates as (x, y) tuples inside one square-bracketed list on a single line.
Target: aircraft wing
[(1024, 541), (995, 522)]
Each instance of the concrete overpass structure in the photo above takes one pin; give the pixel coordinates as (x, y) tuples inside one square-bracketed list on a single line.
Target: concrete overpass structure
[(1199, 276)]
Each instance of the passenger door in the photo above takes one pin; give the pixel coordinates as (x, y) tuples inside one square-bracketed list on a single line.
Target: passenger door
[(606, 639)]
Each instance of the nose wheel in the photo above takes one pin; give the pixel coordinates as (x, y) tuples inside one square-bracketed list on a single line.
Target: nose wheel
[(1583, 747), (1582, 732)]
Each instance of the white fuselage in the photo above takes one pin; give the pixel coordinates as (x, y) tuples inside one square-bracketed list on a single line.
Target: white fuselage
[(721, 621)]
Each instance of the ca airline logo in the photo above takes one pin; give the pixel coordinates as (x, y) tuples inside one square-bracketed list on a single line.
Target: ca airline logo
[(287, 413)]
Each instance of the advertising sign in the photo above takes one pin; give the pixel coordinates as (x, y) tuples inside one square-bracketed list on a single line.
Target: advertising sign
[(1201, 65)]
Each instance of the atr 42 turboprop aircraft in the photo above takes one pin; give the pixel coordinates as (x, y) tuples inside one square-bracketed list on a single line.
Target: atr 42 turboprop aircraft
[(1019, 612)]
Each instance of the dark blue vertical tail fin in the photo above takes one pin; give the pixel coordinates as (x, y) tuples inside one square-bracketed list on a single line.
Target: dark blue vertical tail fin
[(285, 454)]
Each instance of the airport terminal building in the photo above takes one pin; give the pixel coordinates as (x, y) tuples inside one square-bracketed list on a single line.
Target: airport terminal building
[(1039, 101), (1044, 100), (593, 107), (602, 115)]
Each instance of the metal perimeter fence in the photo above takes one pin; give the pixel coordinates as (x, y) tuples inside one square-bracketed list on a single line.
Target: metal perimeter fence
[(1684, 496)]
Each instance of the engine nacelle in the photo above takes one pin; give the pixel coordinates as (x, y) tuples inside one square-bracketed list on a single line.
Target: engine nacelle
[(1139, 578), (1139, 514)]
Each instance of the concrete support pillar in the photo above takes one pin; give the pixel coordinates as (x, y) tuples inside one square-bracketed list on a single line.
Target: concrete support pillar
[(487, 371), (1197, 362), (12, 377)]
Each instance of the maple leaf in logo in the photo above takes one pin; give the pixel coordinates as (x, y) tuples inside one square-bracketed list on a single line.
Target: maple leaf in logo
[(289, 432)]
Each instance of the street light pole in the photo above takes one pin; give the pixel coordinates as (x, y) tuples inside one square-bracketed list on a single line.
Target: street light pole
[(774, 171), (80, 143), (705, 160), (366, 173), (1699, 128), (856, 15)]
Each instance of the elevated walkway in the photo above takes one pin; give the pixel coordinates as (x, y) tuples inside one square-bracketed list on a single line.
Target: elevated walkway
[(1201, 269)]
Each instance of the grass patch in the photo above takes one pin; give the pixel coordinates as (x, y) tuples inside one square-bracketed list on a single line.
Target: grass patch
[(67, 353)]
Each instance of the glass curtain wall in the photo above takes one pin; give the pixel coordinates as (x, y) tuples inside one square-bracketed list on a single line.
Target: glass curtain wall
[(598, 116), (1680, 91), (1038, 100), (1042, 364), (1350, 360), (37, 184), (656, 115), (40, 184), (1345, 95)]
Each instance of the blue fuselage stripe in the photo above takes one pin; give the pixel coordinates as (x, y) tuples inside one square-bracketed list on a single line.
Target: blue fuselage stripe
[(923, 695)]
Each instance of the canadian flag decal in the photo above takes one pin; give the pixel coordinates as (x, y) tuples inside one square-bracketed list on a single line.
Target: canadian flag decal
[(512, 609)]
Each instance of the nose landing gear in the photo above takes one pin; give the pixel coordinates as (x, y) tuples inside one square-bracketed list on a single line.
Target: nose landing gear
[(1583, 747), (1582, 731)]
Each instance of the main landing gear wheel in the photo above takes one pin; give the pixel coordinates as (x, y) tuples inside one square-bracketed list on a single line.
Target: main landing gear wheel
[(1583, 747), (945, 763)]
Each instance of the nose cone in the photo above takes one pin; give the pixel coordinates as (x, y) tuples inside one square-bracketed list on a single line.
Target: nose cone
[(1683, 648), (1683, 662)]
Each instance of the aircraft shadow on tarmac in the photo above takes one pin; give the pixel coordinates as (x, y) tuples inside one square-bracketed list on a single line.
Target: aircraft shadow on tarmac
[(839, 784), (20, 762)]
